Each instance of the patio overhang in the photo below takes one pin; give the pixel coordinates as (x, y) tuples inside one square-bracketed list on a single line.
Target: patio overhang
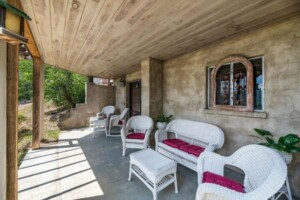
[(111, 38)]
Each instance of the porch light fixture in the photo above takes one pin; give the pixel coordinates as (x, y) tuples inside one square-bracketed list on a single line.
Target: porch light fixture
[(12, 23), (122, 81)]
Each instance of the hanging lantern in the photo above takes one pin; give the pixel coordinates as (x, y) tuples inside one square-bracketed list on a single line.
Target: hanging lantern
[(12, 23)]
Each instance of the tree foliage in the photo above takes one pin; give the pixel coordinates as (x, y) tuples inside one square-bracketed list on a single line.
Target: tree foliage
[(25, 80), (62, 87)]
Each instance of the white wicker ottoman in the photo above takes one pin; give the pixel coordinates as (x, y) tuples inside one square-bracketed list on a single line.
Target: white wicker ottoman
[(153, 169)]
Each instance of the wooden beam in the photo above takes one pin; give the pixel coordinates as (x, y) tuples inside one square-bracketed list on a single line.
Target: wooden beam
[(12, 122), (31, 45), (37, 106), (12, 118)]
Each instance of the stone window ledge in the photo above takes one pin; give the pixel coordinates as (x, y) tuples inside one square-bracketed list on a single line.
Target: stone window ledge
[(261, 115)]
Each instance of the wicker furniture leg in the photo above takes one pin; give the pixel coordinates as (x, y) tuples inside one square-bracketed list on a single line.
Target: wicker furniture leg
[(124, 151), (285, 190), (129, 177), (156, 173), (175, 183), (154, 192)]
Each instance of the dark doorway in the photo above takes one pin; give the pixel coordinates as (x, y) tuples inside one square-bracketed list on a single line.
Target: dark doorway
[(135, 98)]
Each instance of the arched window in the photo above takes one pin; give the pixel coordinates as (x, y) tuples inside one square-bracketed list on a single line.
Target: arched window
[(232, 84)]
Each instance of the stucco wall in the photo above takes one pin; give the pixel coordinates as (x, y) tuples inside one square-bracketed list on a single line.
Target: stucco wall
[(121, 91), (135, 76), (2, 119), (151, 76), (97, 98), (120, 98), (185, 87)]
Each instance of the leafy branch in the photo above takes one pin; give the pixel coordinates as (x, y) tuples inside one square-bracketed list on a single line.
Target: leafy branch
[(288, 143), (164, 118)]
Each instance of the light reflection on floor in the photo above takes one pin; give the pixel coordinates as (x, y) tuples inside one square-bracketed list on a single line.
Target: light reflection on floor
[(59, 171), (83, 167)]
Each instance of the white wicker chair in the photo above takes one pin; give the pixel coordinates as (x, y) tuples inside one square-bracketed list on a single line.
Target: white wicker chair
[(107, 110), (117, 120), (141, 125), (265, 173), (99, 126)]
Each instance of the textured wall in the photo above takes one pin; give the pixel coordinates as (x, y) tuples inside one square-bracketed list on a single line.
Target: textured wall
[(2, 119), (135, 76), (152, 87), (185, 87), (97, 98), (120, 98), (145, 77), (152, 90), (121, 91)]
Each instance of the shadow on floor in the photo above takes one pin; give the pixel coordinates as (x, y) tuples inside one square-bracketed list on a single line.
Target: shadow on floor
[(80, 167)]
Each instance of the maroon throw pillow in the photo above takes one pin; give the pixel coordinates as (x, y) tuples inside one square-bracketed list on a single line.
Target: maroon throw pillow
[(209, 177), (192, 149), (176, 143), (137, 136)]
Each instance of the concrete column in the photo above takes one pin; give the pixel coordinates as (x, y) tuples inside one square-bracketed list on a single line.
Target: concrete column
[(3, 119), (38, 102), (152, 89), (12, 122)]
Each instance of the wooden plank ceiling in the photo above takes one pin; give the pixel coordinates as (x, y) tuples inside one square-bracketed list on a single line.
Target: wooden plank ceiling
[(109, 38)]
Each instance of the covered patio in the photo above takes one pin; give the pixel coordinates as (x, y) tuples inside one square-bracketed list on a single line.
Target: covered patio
[(166, 55), (80, 167)]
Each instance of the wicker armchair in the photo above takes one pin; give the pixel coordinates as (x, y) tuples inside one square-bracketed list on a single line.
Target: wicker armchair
[(265, 173), (136, 132), (107, 111), (117, 120)]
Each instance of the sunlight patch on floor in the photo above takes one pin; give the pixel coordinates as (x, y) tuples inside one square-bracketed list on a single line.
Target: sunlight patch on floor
[(59, 171)]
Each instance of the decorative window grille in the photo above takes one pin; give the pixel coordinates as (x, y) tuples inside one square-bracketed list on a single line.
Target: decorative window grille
[(236, 83)]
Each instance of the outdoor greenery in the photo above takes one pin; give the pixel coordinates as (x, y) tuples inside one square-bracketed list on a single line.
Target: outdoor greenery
[(25, 80), (62, 87), (163, 118), (50, 133), (288, 143)]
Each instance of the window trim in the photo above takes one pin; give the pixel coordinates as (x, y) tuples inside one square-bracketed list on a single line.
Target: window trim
[(263, 83), (250, 91)]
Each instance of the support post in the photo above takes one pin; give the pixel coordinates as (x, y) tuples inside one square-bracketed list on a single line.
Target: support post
[(12, 122), (38, 102), (152, 89)]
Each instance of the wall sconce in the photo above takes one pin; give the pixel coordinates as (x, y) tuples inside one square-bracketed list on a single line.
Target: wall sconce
[(12, 23), (122, 81)]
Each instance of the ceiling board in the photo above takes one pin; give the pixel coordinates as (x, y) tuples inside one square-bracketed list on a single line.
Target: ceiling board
[(109, 38)]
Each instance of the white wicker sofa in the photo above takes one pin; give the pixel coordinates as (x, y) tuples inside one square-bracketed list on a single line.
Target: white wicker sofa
[(191, 138)]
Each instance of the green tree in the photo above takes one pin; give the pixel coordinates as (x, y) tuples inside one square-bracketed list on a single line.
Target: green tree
[(25, 80), (64, 88)]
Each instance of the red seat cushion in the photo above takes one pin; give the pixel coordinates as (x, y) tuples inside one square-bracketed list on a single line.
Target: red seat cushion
[(209, 177), (176, 143), (138, 136), (192, 149), (102, 116)]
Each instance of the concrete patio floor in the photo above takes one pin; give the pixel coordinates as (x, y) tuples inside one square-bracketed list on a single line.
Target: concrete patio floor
[(80, 167)]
